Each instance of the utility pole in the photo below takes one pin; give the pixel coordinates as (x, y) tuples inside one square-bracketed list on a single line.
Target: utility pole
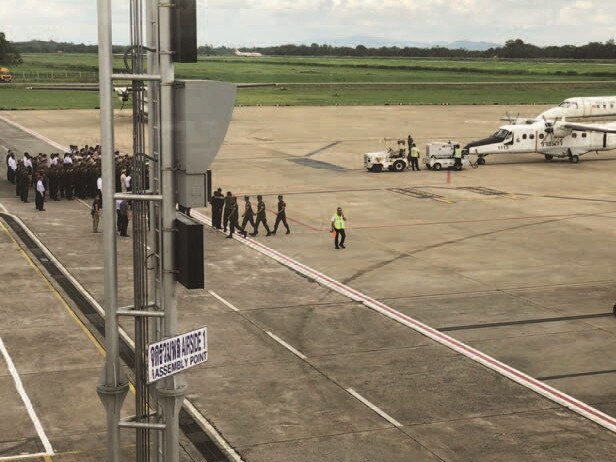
[(171, 390), (165, 171), (113, 385), (153, 201)]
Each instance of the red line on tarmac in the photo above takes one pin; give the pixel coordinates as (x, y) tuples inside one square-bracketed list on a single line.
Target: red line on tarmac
[(519, 377), (295, 221)]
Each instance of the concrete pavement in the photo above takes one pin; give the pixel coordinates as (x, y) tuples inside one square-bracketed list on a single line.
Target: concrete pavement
[(525, 276)]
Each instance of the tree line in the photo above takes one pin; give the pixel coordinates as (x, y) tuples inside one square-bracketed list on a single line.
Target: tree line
[(513, 49)]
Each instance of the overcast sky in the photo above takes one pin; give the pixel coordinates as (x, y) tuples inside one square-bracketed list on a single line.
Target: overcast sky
[(266, 22)]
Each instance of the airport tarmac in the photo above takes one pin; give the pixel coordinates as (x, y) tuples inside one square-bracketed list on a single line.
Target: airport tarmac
[(513, 258)]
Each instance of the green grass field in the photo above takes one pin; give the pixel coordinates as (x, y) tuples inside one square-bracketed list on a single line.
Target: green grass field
[(331, 81)]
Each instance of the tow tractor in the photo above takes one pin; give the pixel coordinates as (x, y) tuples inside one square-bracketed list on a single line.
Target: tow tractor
[(440, 155), (5, 75), (393, 159)]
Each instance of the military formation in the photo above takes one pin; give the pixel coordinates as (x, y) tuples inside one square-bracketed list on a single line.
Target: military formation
[(77, 174), (74, 174), (226, 214)]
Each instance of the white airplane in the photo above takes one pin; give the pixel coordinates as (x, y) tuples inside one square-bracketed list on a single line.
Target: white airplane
[(247, 54), (552, 139), (579, 107)]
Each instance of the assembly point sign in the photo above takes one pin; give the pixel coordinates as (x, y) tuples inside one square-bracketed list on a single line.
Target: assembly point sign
[(176, 354)]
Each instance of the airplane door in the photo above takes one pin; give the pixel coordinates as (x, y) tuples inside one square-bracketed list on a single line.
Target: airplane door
[(604, 140)]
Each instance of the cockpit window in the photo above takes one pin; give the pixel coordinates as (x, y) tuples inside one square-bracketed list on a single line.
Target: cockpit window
[(501, 135), (565, 104)]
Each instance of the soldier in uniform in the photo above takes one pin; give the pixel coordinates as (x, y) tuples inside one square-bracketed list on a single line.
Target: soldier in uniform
[(233, 218), (69, 176), (53, 182), (217, 201), (25, 181), (248, 215), (261, 217), (281, 216), (228, 202)]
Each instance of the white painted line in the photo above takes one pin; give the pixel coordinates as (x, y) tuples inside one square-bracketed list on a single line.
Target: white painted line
[(190, 408), (287, 346), (376, 409), (36, 455), (222, 300), (35, 134), (4, 147), (212, 432), (3, 208), (26, 400), (70, 277), (511, 373)]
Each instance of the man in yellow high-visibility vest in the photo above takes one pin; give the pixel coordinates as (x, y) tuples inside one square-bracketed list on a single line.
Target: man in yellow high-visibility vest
[(414, 155), (338, 226), (457, 154)]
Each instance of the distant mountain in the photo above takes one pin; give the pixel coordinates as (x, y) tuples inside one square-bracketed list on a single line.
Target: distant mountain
[(372, 42)]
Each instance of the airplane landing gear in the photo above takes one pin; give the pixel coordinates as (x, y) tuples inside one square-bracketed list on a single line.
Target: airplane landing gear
[(574, 159), (549, 157), (614, 310), (481, 160)]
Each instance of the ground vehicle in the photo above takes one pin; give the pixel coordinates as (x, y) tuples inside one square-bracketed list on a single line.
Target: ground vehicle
[(392, 159), (5, 75), (440, 155)]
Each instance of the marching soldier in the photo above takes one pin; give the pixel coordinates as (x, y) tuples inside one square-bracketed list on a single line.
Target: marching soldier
[(281, 216), (261, 217), (233, 218), (248, 216)]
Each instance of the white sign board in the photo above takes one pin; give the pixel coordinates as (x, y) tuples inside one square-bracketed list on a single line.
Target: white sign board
[(176, 354)]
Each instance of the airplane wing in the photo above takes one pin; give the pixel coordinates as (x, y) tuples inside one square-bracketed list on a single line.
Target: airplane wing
[(591, 128), (519, 120)]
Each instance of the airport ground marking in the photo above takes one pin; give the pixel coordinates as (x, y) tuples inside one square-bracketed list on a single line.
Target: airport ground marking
[(222, 300), (34, 134), (209, 429), (296, 352), (505, 370), (56, 294), (375, 408), (26, 400), (196, 414), (20, 457)]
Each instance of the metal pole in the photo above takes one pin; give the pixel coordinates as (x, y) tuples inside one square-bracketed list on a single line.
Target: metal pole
[(153, 99), (113, 385), (171, 390)]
